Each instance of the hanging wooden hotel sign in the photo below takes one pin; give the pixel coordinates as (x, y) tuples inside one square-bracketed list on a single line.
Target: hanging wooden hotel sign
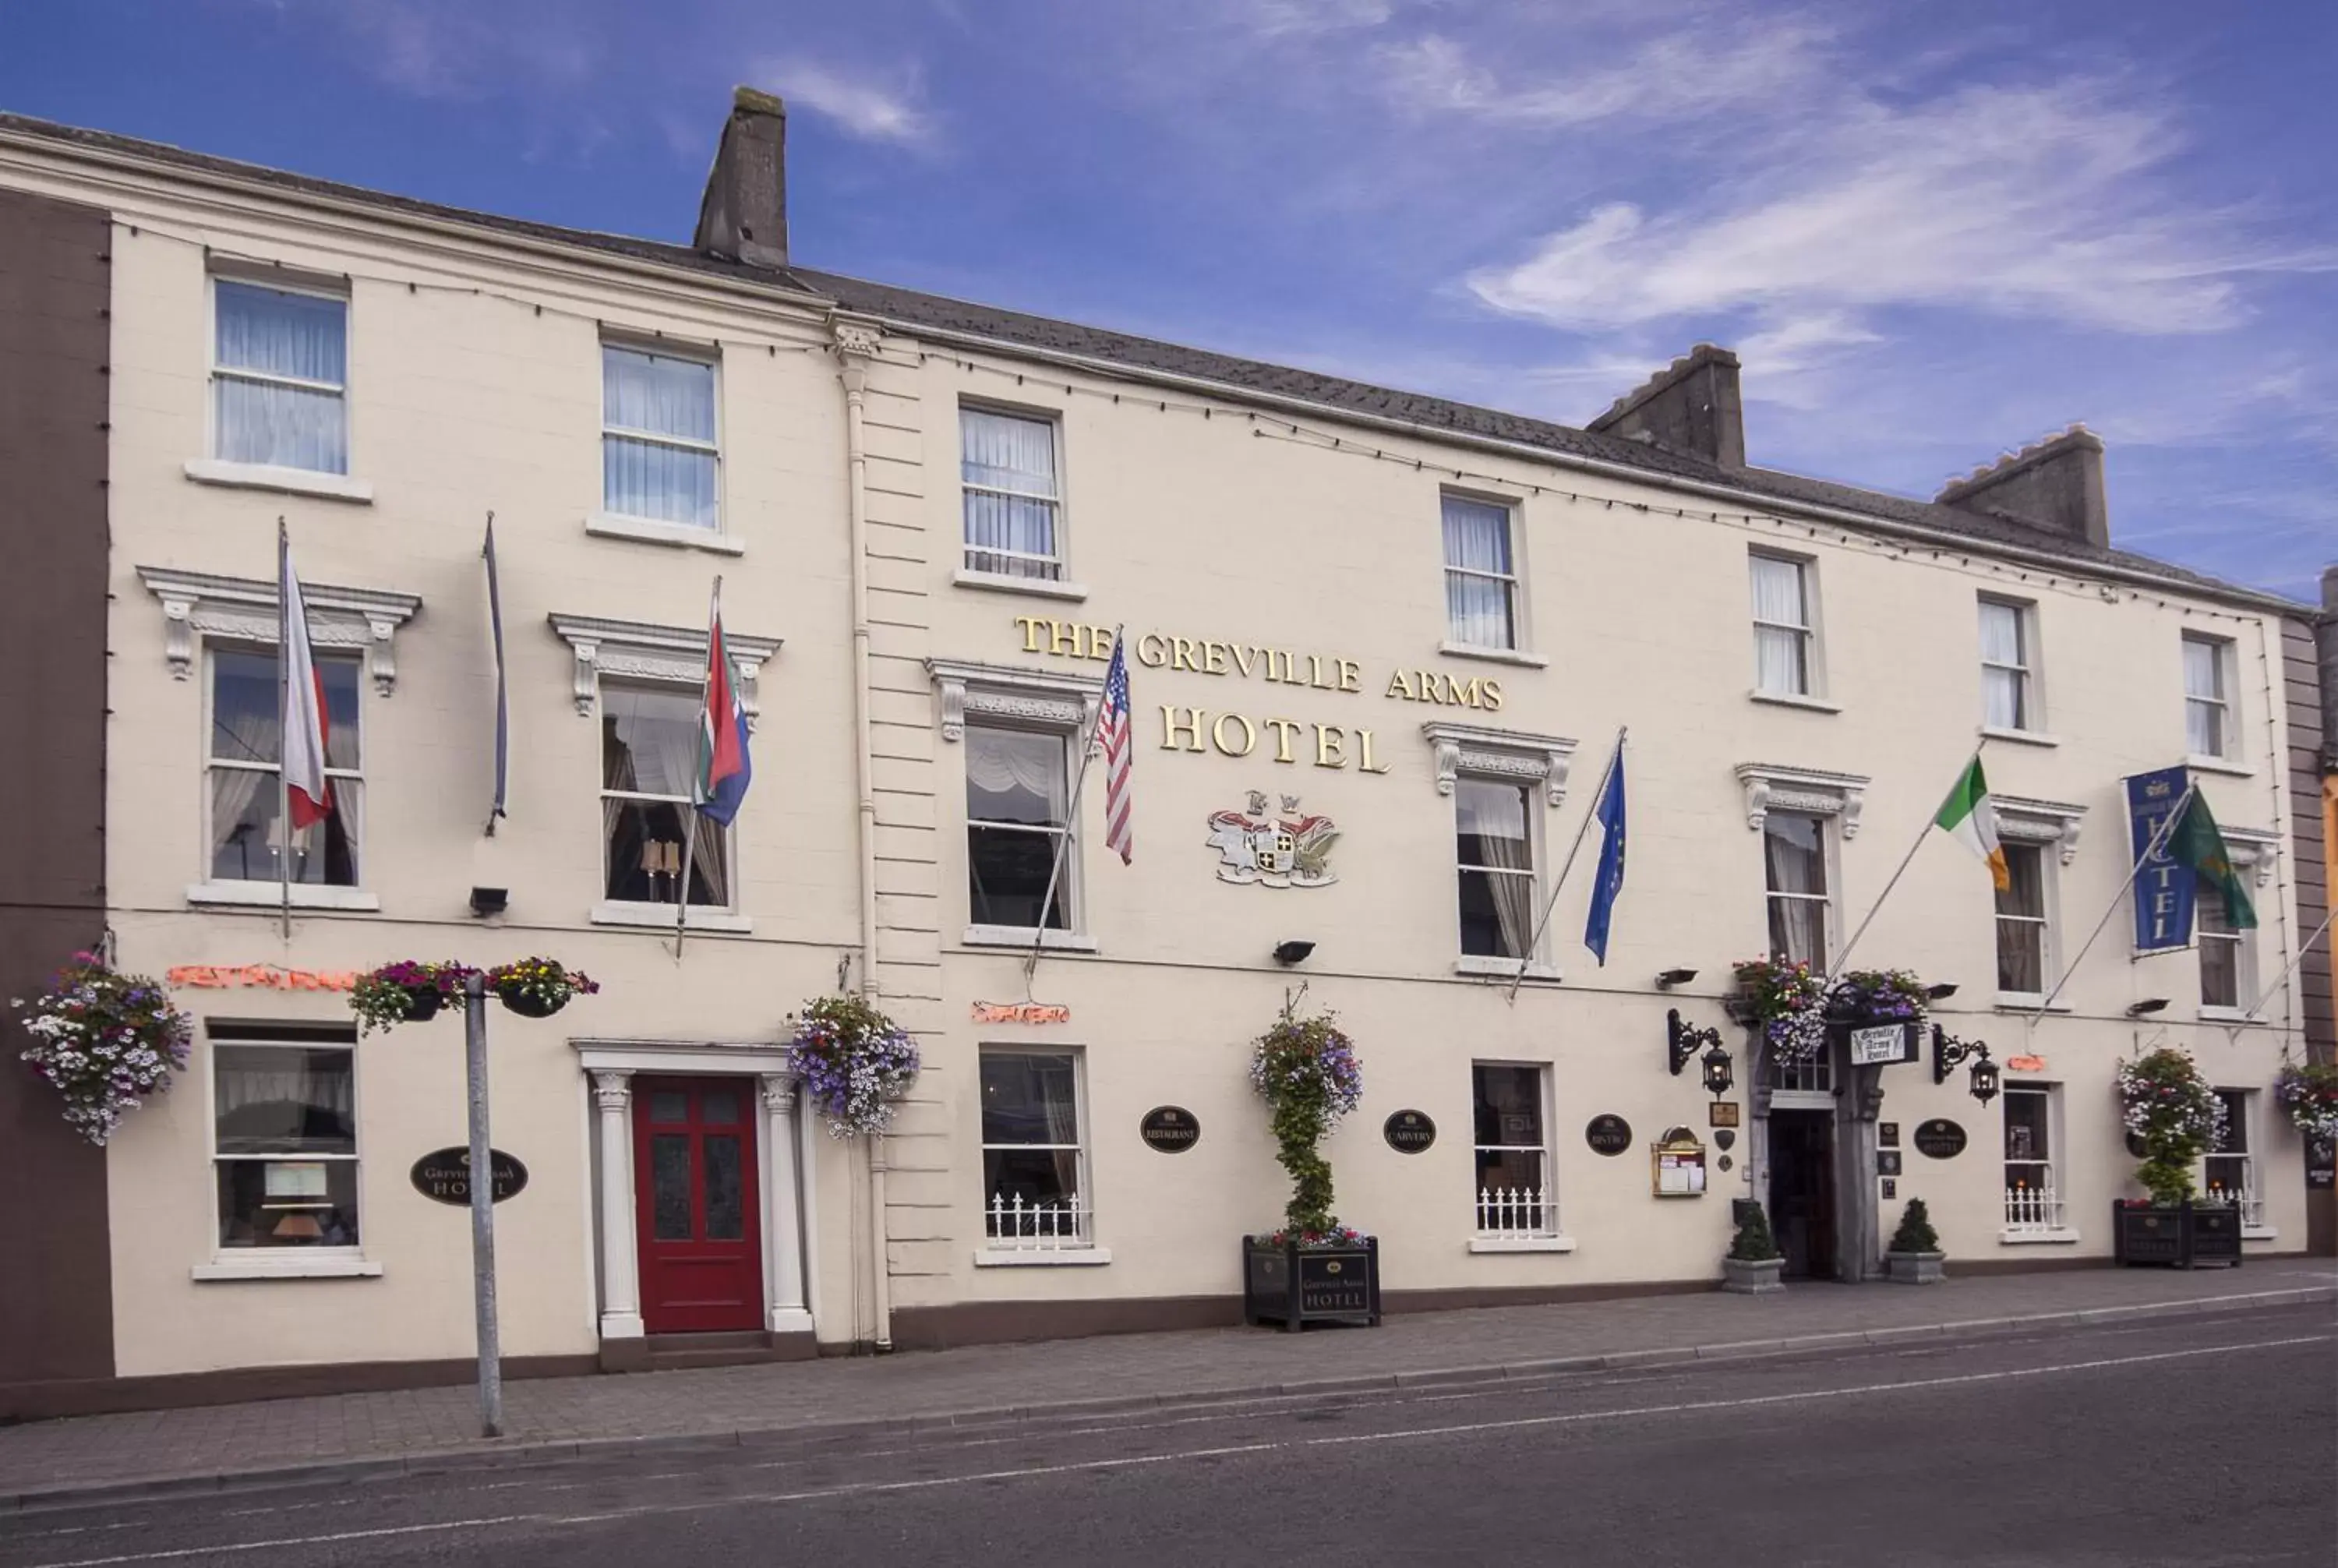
[(1022, 1012), (1882, 1044)]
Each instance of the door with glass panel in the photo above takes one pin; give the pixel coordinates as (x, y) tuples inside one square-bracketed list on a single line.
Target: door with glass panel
[(701, 1245)]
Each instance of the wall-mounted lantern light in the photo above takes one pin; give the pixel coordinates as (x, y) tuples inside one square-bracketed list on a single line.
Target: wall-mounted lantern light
[(1682, 1040), (1715, 1061), (1948, 1051)]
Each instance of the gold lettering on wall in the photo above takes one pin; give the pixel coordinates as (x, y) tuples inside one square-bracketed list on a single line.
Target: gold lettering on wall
[(1249, 735), (1171, 728), (1330, 746), (1283, 729)]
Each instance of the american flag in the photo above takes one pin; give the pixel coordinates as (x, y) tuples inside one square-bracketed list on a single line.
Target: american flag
[(1113, 726)]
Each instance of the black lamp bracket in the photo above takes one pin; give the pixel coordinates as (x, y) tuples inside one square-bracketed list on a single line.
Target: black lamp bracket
[(1684, 1041), (1948, 1051)]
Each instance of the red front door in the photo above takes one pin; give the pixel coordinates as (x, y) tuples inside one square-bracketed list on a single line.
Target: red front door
[(700, 1222)]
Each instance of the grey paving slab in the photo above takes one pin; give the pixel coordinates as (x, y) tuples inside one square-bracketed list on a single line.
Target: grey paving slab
[(1003, 1382)]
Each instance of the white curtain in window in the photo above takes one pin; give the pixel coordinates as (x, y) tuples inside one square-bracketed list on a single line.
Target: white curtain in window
[(1780, 661), (1478, 540), (658, 396), (1000, 452), (266, 333), (288, 1077), (2000, 645), (2202, 677), (1793, 855), (1495, 816), (1013, 777)]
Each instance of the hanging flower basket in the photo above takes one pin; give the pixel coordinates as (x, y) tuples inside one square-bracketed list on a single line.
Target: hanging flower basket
[(104, 1041), (1783, 1001), (406, 991), (2310, 1094), (1313, 1269), (2172, 1111), (1865, 997), (538, 987), (853, 1063)]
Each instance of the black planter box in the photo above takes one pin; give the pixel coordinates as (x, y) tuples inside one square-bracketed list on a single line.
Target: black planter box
[(1295, 1286), (2177, 1238)]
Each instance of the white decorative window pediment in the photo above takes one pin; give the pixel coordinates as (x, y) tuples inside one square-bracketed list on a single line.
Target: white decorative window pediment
[(1541, 761), (2252, 849), (1769, 787), (245, 609), (2021, 820), (1011, 692), (649, 652)]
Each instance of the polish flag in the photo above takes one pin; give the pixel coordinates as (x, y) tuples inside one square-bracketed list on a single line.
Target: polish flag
[(307, 793)]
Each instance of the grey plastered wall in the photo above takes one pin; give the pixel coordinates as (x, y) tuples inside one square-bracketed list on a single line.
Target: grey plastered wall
[(56, 1320)]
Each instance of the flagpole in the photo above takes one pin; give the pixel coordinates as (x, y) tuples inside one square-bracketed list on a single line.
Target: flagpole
[(2167, 830), (1840, 966), (1071, 820), (284, 728), (705, 762), (2287, 974), (1535, 941)]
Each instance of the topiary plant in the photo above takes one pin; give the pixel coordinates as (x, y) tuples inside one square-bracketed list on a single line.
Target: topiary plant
[(1915, 1233), (1306, 1070), (1753, 1243)]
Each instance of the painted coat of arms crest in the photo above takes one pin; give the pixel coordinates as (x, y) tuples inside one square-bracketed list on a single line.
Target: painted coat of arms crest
[(1288, 851)]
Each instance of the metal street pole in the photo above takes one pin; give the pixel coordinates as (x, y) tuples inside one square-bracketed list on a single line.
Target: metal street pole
[(483, 1207)]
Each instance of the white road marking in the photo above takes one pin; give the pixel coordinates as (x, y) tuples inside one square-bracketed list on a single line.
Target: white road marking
[(871, 1488)]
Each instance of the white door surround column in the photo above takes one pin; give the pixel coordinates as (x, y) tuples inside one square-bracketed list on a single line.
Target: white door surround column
[(621, 1276), (782, 1237)]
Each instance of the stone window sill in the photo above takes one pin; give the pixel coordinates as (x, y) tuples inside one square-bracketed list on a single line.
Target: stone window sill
[(2026, 1002), (1020, 936), (1522, 1243), (2060, 1238), (660, 917), (1796, 700), (1006, 582), (270, 896), (2020, 737), (2259, 1233), (1065, 1257), (656, 531), (2199, 764), (2211, 1014), (1480, 966), (1493, 655), (283, 481), (333, 1265)]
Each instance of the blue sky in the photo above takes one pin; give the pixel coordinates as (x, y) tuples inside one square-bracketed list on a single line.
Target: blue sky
[(1933, 233)]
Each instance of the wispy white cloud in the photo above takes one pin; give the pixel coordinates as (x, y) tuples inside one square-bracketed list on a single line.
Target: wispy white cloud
[(1702, 69), (454, 49), (875, 108), (1281, 18)]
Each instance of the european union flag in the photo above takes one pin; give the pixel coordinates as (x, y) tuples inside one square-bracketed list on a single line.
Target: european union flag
[(1611, 861)]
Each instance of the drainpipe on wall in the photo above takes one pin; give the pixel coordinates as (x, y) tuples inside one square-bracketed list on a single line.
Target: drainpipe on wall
[(856, 344)]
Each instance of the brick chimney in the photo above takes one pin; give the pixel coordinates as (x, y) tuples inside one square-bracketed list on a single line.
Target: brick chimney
[(743, 216), (2055, 486), (1690, 407)]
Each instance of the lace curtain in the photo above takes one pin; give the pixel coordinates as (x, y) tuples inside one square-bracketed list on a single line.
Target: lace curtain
[(1497, 837), (1477, 541), (2002, 677), (1780, 650), (266, 340), (1015, 776), (1008, 467), (1794, 858), (654, 395)]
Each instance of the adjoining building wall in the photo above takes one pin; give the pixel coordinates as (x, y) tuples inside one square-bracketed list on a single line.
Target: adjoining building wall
[(56, 1318)]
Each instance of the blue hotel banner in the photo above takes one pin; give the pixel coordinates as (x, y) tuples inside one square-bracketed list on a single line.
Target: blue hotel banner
[(2163, 888)]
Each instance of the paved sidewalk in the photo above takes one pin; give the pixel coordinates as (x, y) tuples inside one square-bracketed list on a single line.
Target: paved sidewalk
[(218, 1445)]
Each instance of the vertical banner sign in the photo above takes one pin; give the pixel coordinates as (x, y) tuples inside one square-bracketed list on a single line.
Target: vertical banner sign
[(2163, 888)]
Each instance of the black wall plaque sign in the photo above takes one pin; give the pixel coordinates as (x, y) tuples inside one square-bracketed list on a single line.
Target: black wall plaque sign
[(1891, 1188), (1408, 1131), (1607, 1134), (444, 1175), (1887, 1134), (1887, 1161), (1721, 1113), (1171, 1129), (1724, 1139), (2321, 1162), (1940, 1139)]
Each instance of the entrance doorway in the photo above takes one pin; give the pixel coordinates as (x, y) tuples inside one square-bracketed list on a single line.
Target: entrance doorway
[(699, 1215), (1801, 1191)]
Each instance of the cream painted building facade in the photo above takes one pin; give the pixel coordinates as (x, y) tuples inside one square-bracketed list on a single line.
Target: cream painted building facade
[(1381, 650)]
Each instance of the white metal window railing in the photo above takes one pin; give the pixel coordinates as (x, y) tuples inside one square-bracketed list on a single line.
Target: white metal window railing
[(2233, 1180), (1051, 1226), (1513, 1212), (2033, 1202)]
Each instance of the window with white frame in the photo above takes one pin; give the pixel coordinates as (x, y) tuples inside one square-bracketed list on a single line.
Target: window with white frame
[(2008, 654), (2231, 1166), (279, 376), (1798, 888), (285, 1144), (246, 797), (1515, 1195), (2227, 953), (2024, 929), (1014, 492), (1034, 1160), (649, 760), (1018, 824), (1481, 579), (660, 451), (1494, 845), (1785, 652), (2209, 727), (2033, 1200)]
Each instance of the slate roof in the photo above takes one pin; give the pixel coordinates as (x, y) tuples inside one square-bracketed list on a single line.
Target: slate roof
[(913, 309)]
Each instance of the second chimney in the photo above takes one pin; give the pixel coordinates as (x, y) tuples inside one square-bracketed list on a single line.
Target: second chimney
[(743, 216), (1690, 406), (2055, 486)]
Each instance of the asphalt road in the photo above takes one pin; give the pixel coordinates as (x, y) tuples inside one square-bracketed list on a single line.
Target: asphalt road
[(2204, 1441)]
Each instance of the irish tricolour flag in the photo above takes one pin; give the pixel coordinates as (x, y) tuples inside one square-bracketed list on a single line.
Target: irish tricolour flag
[(1968, 817)]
